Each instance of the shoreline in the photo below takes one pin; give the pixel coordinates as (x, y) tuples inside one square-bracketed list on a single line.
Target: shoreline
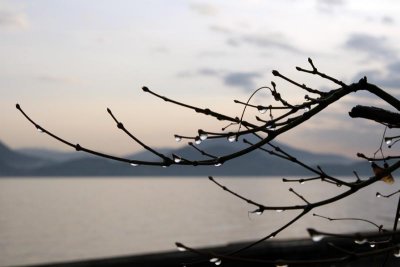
[(290, 249)]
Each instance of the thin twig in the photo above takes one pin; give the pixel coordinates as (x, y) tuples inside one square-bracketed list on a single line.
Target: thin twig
[(380, 227)]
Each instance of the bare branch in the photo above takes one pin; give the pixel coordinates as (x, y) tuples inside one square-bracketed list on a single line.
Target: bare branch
[(300, 196), (303, 86), (280, 119), (377, 114), (122, 127), (323, 75), (205, 111), (387, 196), (380, 227)]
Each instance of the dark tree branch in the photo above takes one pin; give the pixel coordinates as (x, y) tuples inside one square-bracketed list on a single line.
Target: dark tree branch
[(302, 86), (319, 235), (377, 114), (301, 180), (327, 99), (300, 196), (372, 159), (202, 151), (380, 227), (205, 111), (283, 118), (349, 256), (322, 175), (305, 208), (323, 75), (387, 196), (78, 147), (122, 127)]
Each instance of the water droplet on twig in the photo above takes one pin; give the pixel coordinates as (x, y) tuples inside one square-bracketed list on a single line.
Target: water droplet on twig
[(258, 211), (397, 253), (216, 261), (360, 241), (180, 247), (232, 138), (203, 136), (176, 158), (262, 110)]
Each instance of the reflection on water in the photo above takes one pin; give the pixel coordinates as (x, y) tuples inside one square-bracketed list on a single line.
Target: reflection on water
[(47, 220)]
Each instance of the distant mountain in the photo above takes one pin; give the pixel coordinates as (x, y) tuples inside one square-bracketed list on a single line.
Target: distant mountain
[(6, 170), (14, 161), (37, 162), (253, 164), (51, 155)]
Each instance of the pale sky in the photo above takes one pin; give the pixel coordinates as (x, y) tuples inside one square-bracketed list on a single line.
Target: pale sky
[(65, 62)]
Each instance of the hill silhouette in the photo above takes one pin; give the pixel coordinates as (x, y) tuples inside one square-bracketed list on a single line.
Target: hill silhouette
[(39, 162)]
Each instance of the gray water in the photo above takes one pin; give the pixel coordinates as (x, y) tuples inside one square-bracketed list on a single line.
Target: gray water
[(63, 219)]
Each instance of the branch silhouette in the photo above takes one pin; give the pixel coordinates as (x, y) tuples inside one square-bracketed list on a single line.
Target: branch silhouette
[(283, 117)]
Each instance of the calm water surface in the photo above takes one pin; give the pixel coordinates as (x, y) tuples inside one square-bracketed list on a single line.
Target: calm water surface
[(59, 219)]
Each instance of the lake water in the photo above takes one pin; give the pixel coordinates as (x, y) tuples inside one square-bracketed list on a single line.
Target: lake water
[(62, 219)]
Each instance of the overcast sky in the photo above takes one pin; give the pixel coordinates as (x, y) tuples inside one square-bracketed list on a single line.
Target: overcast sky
[(65, 62)]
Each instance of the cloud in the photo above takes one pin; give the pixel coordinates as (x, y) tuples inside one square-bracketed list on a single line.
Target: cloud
[(330, 2), (375, 47), (269, 42), (204, 9), (200, 72), (220, 29), (329, 6), (235, 38), (394, 67), (244, 80), (233, 42), (387, 20), (264, 42), (12, 20), (209, 72)]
